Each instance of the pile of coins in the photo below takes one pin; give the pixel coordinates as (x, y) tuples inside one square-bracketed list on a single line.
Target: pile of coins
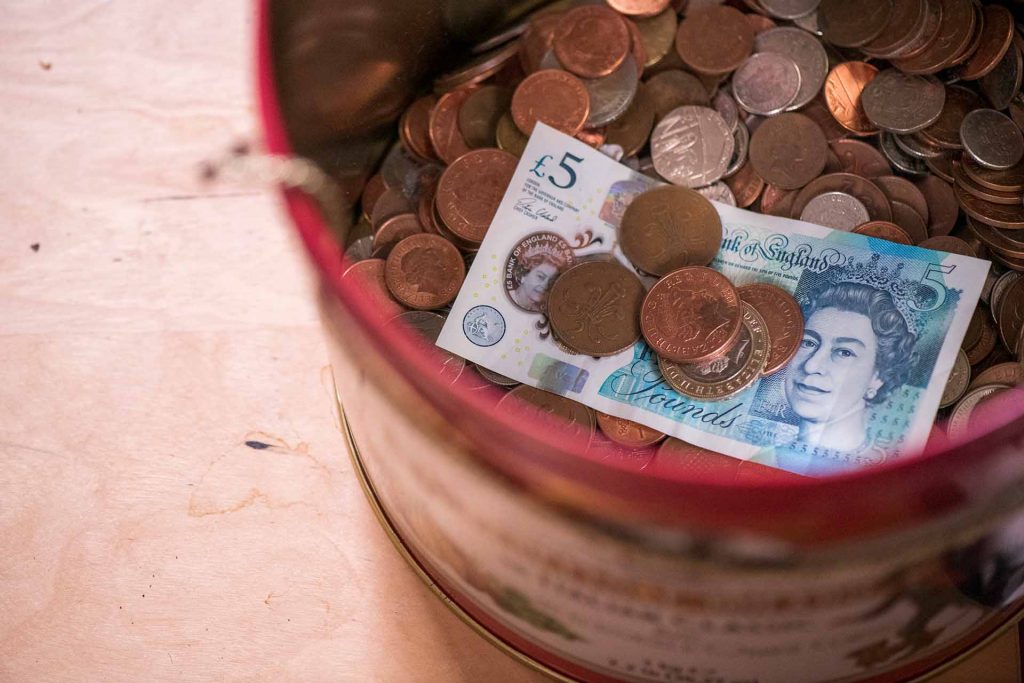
[(896, 119)]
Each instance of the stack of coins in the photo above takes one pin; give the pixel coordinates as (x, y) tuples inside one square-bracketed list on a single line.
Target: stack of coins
[(896, 119)]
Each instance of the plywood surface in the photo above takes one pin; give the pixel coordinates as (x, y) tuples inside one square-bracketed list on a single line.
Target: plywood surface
[(149, 329)]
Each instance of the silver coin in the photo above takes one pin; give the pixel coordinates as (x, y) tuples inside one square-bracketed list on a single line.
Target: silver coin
[(360, 250), (428, 326), (611, 96), (809, 23), (806, 51), (1002, 83), (898, 159), (725, 105), (739, 156), (913, 146), (692, 146), (836, 210), (766, 84), (718, 192), (902, 103), (789, 9), (992, 139)]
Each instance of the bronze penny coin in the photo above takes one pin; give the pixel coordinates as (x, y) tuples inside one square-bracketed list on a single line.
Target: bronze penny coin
[(478, 69), (374, 188), (959, 378), (727, 375), (788, 151), (394, 230), (943, 208), (591, 41), (633, 129), (1011, 314), (986, 344), (425, 272), (853, 24), (471, 189), (714, 39), (996, 38), (527, 403), (950, 245), (899, 189), (819, 112), (884, 230), (669, 90), (746, 185), (389, 204), (677, 456), (910, 221), (908, 22), (859, 158), (628, 433), (996, 215), (594, 308), (966, 183), (425, 209), (668, 228), (777, 202), (639, 8), (691, 315), (873, 199), (480, 113), (414, 128), (1003, 242), (941, 167), (1006, 180), (443, 126), (974, 328), (844, 87), (553, 97), (368, 276), (1010, 373), (784, 319), (536, 40), (956, 30)]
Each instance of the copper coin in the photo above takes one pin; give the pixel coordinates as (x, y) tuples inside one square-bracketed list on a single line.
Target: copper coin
[(594, 308), (394, 230), (959, 423), (853, 24), (480, 113), (714, 39), (639, 8), (677, 456), (996, 38), (672, 89), (922, 38), (996, 215), (691, 315), (957, 383), (949, 244), (942, 167), (1003, 83), (873, 199), (966, 183), (1011, 314), (1004, 373), (553, 97), (575, 419), (974, 328), (907, 24), (844, 87), (884, 230), (390, 203), (415, 128), (478, 69), (777, 202), (1001, 286), (788, 151), (986, 344), (784, 319), (910, 221), (628, 433), (591, 41), (943, 209), (368, 276), (471, 189), (859, 158), (819, 112), (668, 228), (537, 39), (727, 375), (746, 185), (633, 128), (956, 30), (899, 189), (1002, 242), (425, 272), (374, 188), (1007, 180), (443, 126), (425, 209)]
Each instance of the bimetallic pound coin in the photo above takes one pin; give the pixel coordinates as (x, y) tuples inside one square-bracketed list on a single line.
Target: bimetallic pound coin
[(668, 228), (594, 308)]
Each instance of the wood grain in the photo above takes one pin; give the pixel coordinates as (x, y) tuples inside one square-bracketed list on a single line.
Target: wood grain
[(175, 501)]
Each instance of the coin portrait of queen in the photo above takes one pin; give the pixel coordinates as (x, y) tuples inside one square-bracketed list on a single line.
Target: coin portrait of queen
[(857, 349)]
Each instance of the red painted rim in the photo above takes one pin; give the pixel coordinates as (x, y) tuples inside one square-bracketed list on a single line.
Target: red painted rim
[(867, 501)]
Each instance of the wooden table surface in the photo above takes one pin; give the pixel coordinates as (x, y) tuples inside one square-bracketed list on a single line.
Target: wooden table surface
[(150, 327)]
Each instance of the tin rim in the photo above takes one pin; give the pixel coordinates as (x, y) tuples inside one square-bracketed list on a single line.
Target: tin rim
[(519, 653), (875, 499)]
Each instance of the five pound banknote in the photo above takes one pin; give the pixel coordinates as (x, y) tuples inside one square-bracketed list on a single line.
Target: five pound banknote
[(882, 321)]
